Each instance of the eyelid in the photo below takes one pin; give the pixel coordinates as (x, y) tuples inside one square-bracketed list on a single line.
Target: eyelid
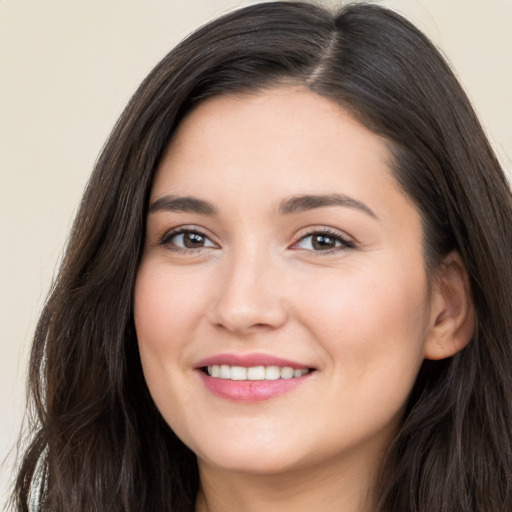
[(347, 242), (165, 239)]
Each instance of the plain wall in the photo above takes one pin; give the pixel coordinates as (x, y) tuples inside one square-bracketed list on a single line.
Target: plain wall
[(67, 68)]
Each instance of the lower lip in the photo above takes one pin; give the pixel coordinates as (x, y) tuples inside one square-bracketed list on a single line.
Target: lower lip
[(250, 391)]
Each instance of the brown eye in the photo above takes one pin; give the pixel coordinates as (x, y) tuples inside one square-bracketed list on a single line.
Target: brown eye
[(323, 241), (193, 240), (187, 239)]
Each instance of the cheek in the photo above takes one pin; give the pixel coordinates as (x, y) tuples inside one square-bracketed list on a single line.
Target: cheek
[(358, 300), (166, 310), (166, 307), (372, 323)]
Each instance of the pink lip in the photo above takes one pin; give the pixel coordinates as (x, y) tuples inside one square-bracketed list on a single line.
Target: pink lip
[(248, 360), (249, 391)]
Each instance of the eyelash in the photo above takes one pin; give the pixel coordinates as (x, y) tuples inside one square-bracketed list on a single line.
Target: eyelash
[(337, 237), (166, 240)]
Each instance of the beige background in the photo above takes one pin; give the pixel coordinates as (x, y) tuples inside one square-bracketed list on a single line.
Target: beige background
[(67, 68)]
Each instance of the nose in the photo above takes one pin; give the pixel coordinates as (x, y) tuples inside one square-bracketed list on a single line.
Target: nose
[(251, 295)]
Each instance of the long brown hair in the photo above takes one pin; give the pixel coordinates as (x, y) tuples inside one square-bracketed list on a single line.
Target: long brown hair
[(100, 442)]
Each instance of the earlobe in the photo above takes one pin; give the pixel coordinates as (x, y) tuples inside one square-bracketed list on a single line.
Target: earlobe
[(452, 321)]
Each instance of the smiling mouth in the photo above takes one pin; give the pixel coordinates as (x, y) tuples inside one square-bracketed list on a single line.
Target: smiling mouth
[(254, 373)]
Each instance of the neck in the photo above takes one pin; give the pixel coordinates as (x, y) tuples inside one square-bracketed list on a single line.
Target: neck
[(330, 487)]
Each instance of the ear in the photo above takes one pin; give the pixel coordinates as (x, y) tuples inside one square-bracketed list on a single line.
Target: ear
[(452, 315)]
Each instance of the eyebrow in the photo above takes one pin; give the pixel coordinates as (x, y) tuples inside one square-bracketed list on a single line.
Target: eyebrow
[(295, 204), (310, 202), (182, 204)]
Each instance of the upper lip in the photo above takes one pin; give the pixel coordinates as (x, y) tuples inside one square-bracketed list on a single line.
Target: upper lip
[(249, 360)]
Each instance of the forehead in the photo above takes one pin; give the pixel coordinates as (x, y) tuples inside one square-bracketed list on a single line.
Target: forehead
[(272, 136)]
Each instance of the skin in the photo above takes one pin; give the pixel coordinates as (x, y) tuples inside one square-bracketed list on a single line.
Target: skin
[(359, 313)]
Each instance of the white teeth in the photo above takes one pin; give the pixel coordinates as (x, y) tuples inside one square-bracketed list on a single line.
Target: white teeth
[(225, 371), (286, 373), (256, 373), (238, 373), (272, 373)]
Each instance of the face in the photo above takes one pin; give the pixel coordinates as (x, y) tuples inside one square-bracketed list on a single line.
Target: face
[(281, 304)]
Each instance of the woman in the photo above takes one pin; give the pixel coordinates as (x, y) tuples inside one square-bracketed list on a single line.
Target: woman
[(287, 287)]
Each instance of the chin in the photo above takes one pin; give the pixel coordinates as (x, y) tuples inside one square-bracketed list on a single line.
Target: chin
[(266, 464), (263, 458)]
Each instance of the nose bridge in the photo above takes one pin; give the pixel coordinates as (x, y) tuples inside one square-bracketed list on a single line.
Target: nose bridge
[(249, 295)]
